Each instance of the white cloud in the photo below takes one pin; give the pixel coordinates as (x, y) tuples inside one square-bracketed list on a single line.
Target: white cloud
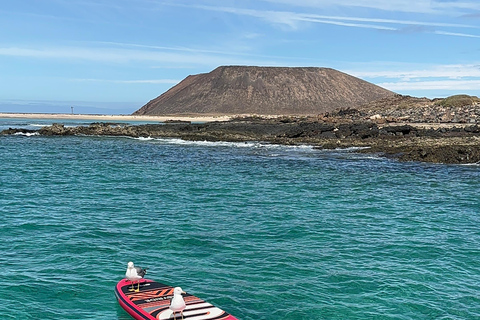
[(415, 78), (456, 34), (78, 53), (294, 19), (419, 6), (122, 55), (147, 55), (453, 71), (391, 21), (448, 85), (347, 24), (181, 49)]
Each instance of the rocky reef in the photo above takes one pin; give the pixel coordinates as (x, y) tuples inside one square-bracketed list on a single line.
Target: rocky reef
[(402, 127), (455, 144)]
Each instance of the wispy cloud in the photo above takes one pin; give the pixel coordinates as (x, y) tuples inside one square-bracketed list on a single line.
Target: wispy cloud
[(392, 21), (420, 6), (146, 55), (179, 49), (457, 34), (446, 85), (343, 23), (403, 78), (294, 19), (453, 71), (225, 52), (113, 54)]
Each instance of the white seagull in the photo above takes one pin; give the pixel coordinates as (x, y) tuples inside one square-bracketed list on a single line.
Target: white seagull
[(177, 304), (135, 274)]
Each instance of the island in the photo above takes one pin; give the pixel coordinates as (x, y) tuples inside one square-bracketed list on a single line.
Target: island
[(315, 106)]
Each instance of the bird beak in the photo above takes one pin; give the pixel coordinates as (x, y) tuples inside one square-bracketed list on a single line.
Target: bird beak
[(184, 292)]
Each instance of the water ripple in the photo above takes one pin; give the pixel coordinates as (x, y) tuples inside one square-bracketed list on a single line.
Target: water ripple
[(265, 232)]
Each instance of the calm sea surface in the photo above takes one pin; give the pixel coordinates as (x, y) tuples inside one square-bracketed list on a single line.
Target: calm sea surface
[(262, 231)]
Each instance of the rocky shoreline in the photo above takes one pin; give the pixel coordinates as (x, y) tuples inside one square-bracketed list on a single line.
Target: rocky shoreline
[(457, 143), (401, 127)]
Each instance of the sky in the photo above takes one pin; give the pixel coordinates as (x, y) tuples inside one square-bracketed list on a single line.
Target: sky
[(113, 56)]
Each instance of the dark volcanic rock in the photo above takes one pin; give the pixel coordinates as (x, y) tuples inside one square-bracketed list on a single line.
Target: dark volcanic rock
[(399, 108), (405, 142), (309, 130), (11, 131), (364, 130), (55, 129), (472, 129), (400, 130), (454, 154), (265, 91)]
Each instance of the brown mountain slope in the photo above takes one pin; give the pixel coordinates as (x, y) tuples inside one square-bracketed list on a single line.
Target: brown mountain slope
[(264, 90)]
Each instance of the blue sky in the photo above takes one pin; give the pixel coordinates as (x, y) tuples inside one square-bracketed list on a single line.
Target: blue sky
[(113, 56)]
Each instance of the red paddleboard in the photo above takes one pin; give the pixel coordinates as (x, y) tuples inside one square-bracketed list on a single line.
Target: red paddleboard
[(152, 302)]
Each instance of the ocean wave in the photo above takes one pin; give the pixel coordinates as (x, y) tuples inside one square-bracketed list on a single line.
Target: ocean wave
[(351, 149), (269, 149), (205, 143), (37, 125), (473, 164), (144, 138), (26, 134)]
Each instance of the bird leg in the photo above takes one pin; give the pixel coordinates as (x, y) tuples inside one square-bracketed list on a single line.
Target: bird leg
[(132, 288)]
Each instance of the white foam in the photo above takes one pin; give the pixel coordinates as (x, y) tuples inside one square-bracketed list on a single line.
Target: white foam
[(349, 149), (247, 144), (27, 134), (473, 164), (144, 138)]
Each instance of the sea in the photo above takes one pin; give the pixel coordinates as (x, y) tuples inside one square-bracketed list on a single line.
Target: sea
[(262, 231)]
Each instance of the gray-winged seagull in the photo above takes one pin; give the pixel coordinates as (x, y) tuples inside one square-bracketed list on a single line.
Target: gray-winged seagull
[(135, 274)]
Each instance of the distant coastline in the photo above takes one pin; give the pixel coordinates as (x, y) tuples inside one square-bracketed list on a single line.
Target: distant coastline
[(99, 117)]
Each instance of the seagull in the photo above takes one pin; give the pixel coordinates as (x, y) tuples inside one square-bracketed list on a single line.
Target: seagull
[(177, 304), (135, 274)]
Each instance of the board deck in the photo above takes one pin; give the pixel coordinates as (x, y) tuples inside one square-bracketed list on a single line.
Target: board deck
[(152, 302)]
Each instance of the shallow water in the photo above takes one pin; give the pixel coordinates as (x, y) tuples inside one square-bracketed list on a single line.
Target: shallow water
[(262, 231)]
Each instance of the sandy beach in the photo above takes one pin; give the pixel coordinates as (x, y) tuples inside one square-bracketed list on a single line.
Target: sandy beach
[(97, 117)]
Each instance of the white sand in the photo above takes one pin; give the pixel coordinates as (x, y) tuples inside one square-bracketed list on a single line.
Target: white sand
[(96, 117)]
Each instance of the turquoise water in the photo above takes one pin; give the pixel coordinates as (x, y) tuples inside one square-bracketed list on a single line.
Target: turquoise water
[(264, 232)]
